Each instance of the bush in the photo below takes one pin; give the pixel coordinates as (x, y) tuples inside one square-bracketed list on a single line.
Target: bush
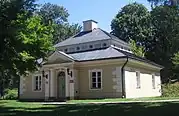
[(170, 90), (11, 94)]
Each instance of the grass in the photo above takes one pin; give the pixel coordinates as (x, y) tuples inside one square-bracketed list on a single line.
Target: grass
[(120, 99), (13, 108)]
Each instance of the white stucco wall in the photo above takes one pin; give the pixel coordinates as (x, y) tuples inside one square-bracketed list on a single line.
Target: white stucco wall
[(146, 89)]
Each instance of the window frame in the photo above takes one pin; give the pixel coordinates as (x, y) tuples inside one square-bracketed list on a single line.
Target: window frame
[(138, 80), (153, 81), (90, 79), (34, 83)]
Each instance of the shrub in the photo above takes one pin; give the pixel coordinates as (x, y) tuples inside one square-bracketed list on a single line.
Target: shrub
[(10, 94), (170, 90)]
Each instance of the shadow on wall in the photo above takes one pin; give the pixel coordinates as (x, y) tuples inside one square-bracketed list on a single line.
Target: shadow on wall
[(132, 109)]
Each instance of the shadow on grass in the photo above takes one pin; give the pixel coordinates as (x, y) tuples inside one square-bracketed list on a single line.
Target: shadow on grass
[(131, 109)]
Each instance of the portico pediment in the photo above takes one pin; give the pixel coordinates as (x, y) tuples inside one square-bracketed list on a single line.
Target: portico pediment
[(59, 57)]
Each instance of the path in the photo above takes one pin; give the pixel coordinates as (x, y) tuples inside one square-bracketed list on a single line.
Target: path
[(111, 102)]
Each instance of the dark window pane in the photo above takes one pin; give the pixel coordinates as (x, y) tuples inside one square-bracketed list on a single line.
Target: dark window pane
[(104, 44), (93, 74), (91, 46), (93, 85), (36, 87), (99, 79), (78, 48), (93, 80), (66, 50), (36, 78), (99, 85), (99, 74)]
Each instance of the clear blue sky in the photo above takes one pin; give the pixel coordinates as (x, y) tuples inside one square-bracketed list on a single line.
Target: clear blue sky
[(102, 11)]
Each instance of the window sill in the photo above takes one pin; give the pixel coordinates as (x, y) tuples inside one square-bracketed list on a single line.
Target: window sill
[(95, 89), (37, 90)]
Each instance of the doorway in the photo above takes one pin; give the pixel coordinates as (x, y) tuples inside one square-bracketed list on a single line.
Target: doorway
[(61, 85)]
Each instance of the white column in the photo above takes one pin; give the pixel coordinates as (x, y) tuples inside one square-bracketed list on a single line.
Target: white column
[(52, 91), (46, 85), (66, 83)]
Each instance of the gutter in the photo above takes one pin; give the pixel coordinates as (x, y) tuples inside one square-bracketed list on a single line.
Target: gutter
[(122, 78)]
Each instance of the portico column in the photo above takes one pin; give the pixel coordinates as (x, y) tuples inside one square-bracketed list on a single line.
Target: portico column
[(66, 83), (52, 91), (46, 85)]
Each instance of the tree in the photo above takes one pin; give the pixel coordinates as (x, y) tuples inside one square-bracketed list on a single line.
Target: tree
[(137, 50), (64, 31), (164, 44), (158, 35), (165, 2), (58, 15), (23, 38), (53, 13), (132, 22)]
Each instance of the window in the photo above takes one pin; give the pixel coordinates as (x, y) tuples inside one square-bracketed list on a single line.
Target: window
[(153, 81), (95, 79), (138, 80), (104, 44), (77, 48), (66, 50), (90, 46), (38, 83)]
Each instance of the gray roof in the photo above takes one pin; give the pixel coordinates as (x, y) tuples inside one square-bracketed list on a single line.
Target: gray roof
[(88, 36), (97, 54), (108, 53)]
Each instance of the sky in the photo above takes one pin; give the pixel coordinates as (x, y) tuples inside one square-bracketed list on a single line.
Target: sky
[(102, 11)]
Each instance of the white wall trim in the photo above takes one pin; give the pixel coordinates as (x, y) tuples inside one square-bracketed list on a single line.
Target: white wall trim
[(47, 85), (66, 83), (154, 87), (33, 82), (89, 73), (52, 83), (117, 80), (21, 85), (72, 88)]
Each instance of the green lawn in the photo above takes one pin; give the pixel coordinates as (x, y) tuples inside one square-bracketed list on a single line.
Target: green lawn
[(120, 99), (14, 108)]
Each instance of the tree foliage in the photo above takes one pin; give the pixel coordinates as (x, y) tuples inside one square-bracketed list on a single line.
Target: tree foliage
[(58, 16), (164, 45), (53, 13), (137, 50), (164, 2), (24, 38), (132, 22), (159, 35)]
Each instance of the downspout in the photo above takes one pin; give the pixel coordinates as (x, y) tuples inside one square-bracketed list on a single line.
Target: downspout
[(122, 78)]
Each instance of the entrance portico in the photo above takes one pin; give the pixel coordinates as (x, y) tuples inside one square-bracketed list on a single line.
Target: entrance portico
[(59, 83), (59, 77)]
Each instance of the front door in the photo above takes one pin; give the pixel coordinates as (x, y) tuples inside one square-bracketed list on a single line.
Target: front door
[(61, 85)]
